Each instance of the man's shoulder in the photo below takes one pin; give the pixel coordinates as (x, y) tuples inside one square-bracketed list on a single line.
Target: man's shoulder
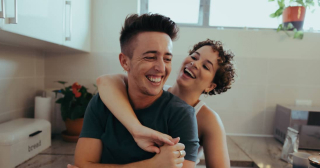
[(96, 104), (176, 104)]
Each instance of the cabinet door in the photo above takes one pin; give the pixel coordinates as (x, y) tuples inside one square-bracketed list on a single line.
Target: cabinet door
[(2, 13), (77, 26), (39, 19)]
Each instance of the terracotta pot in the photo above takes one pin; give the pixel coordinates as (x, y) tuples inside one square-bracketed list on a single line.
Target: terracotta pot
[(294, 15), (74, 126)]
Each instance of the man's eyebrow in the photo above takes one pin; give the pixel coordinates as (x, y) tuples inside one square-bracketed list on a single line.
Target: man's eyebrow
[(155, 52), (197, 53)]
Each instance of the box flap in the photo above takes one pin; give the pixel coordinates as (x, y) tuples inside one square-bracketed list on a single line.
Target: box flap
[(16, 130)]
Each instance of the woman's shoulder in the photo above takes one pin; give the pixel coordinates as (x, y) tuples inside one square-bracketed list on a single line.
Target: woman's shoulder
[(209, 120), (206, 111)]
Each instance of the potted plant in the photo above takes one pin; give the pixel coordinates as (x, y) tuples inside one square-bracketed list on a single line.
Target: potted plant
[(293, 16), (73, 106)]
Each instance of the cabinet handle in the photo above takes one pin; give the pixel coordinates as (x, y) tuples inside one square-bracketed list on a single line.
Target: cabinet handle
[(14, 20), (2, 13), (68, 38)]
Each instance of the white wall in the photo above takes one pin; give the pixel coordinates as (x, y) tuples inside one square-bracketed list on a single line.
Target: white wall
[(271, 68), (21, 79)]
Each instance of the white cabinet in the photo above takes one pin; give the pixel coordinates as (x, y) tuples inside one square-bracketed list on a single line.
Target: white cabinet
[(49, 21), (39, 19), (77, 25), (1, 13)]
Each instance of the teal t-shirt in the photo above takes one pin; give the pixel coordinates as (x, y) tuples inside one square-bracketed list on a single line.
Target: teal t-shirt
[(168, 114)]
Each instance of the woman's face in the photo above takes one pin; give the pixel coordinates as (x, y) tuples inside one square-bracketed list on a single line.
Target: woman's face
[(198, 70)]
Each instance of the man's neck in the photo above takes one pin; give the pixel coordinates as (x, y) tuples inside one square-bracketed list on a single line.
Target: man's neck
[(139, 100)]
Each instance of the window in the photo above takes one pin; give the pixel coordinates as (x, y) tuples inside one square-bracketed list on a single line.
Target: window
[(224, 13), (244, 13), (188, 13)]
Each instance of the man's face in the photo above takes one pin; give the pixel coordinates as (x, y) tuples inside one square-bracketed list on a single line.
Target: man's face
[(150, 64)]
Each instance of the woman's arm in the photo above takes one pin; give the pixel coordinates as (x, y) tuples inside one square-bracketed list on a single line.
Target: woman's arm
[(213, 139), (113, 93)]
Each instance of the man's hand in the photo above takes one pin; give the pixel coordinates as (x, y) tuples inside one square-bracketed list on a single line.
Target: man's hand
[(149, 139), (170, 156)]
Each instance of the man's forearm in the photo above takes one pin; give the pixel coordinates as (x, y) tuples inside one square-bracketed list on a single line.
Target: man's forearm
[(143, 163)]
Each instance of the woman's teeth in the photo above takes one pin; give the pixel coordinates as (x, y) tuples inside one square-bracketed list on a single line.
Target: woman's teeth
[(154, 79), (189, 72)]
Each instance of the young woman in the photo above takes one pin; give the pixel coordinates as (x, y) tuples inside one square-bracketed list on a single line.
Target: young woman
[(207, 70)]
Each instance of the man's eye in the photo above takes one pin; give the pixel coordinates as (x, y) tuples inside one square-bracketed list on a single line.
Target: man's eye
[(149, 57), (168, 59)]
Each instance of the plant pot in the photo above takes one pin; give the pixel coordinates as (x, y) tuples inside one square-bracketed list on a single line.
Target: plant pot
[(74, 126), (294, 15)]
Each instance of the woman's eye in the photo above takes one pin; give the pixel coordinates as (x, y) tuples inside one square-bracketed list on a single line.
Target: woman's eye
[(205, 67), (194, 58)]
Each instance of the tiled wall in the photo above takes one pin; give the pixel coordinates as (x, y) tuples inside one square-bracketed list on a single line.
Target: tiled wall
[(21, 79), (247, 108)]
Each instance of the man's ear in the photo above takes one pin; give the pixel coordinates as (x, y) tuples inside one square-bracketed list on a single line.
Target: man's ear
[(210, 87), (124, 61)]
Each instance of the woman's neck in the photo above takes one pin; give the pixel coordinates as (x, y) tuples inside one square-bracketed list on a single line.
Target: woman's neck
[(188, 96)]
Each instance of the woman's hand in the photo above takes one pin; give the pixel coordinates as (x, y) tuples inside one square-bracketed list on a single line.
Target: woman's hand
[(149, 139), (71, 166), (171, 156)]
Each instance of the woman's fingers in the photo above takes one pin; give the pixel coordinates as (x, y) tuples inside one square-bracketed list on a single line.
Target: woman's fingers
[(179, 160), (179, 146), (177, 153), (71, 166), (179, 165), (163, 137), (153, 149)]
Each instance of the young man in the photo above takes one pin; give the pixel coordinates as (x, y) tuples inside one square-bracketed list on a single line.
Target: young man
[(146, 53)]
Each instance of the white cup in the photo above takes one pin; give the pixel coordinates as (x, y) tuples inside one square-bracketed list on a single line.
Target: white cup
[(299, 159)]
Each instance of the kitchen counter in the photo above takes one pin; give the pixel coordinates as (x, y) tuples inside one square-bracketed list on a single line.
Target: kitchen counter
[(265, 152), (243, 152)]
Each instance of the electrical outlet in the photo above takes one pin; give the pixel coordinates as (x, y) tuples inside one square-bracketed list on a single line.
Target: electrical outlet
[(300, 102)]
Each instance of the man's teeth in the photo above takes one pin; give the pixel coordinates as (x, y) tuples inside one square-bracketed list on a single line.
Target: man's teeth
[(152, 79), (189, 72)]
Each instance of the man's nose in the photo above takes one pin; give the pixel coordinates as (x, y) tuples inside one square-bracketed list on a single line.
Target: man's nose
[(160, 66)]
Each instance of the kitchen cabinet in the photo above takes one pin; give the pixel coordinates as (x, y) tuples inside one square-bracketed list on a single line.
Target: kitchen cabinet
[(77, 25), (60, 22)]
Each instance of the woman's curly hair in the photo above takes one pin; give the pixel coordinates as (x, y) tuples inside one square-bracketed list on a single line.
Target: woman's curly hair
[(224, 76)]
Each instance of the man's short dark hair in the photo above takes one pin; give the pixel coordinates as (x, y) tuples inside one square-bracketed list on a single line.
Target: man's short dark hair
[(135, 24)]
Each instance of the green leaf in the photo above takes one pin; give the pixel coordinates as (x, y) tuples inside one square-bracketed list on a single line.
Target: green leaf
[(280, 27), (300, 2), (298, 35), (77, 112), (62, 82), (273, 15), (271, 0), (290, 26), (59, 101), (281, 3)]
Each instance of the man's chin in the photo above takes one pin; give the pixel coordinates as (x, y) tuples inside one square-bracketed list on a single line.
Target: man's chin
[(154, 92)]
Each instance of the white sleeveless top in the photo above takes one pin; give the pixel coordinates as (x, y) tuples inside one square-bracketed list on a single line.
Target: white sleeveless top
[(196, 109)]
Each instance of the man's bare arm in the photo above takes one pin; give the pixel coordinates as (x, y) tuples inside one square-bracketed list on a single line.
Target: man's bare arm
[(88, 154)]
